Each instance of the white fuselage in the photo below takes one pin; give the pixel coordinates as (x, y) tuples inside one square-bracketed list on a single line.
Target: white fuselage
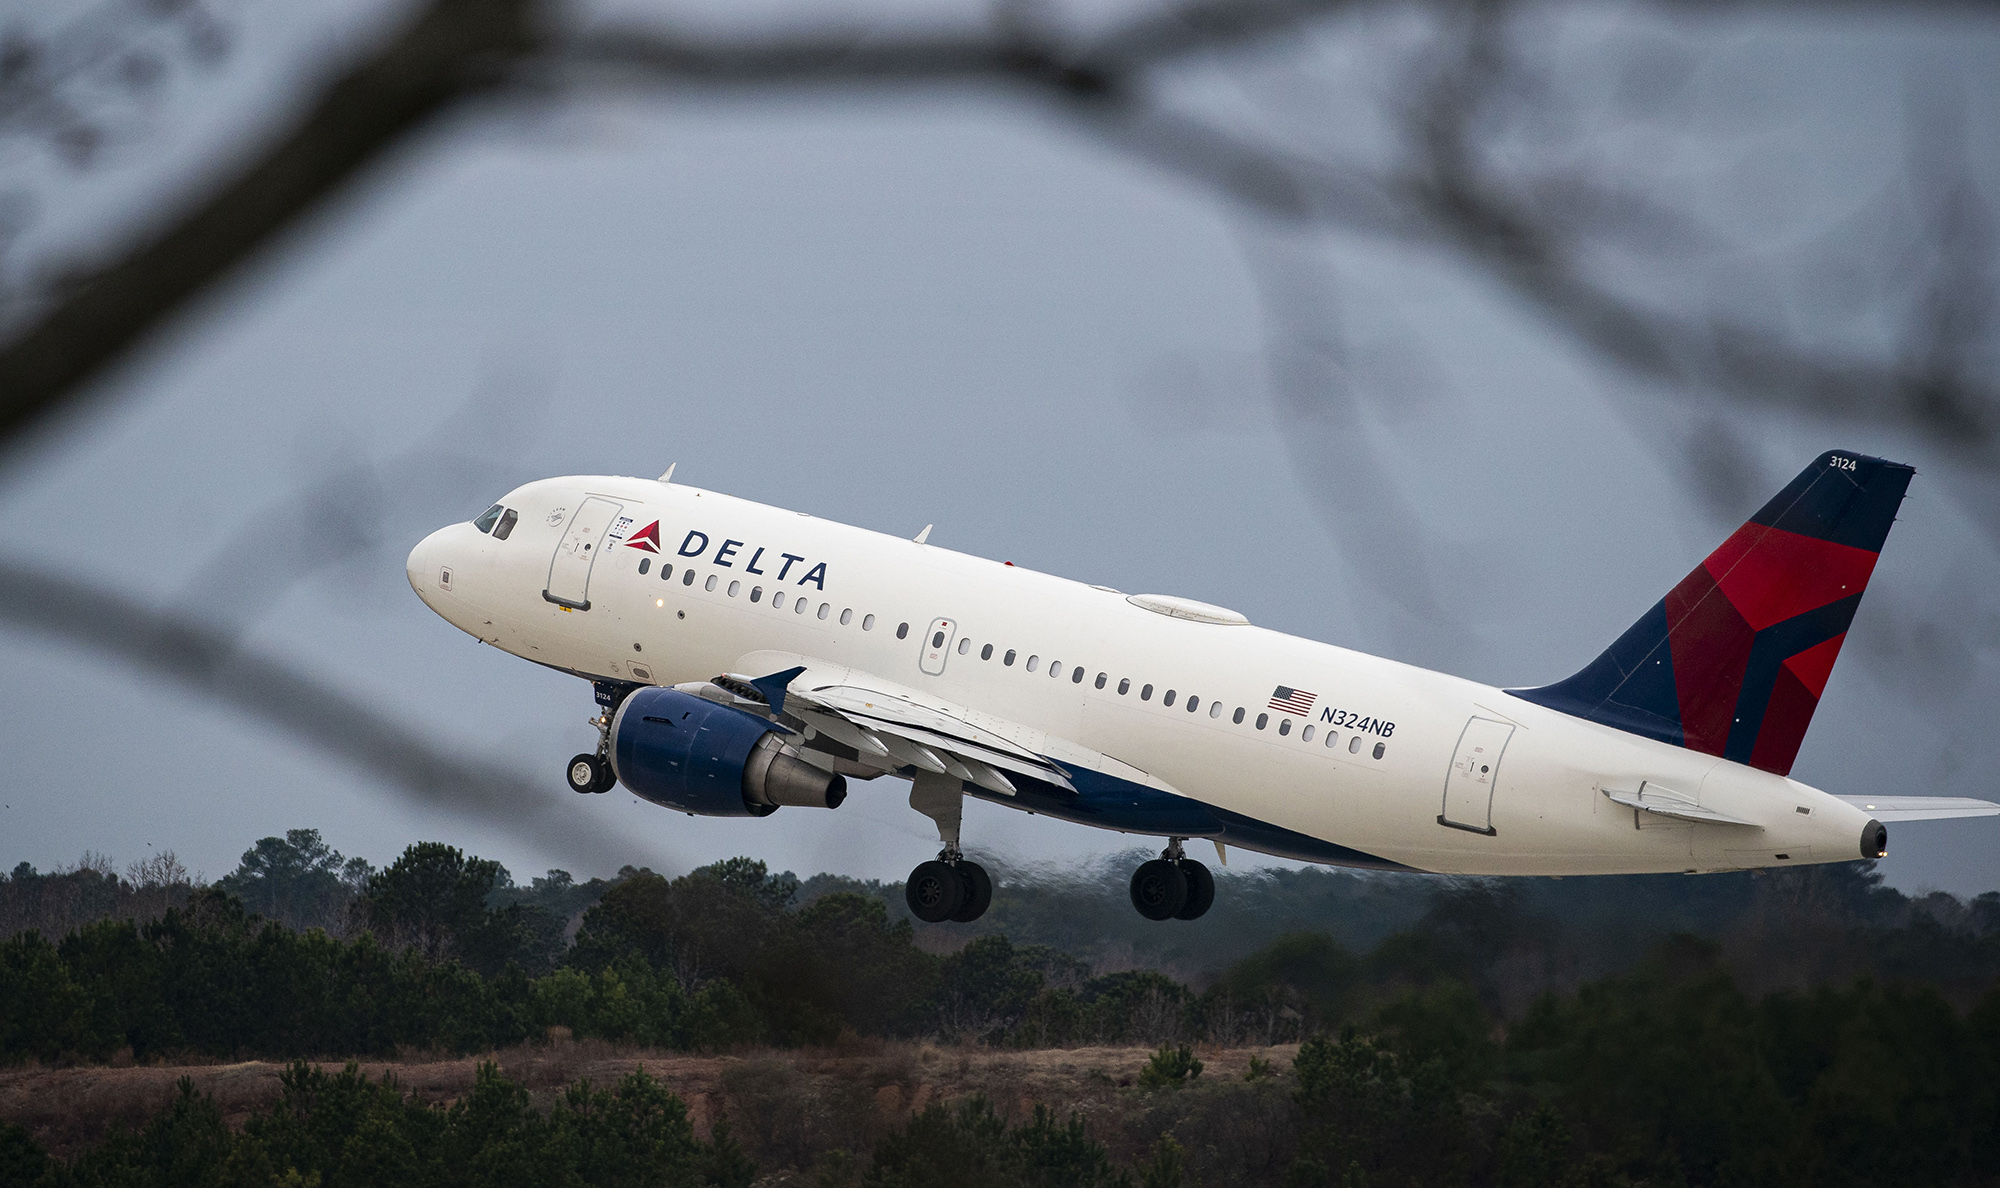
[(1403, 751)]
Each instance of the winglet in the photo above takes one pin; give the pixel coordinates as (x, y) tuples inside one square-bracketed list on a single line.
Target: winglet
[(669, 476), (773, 687), (925, 535)]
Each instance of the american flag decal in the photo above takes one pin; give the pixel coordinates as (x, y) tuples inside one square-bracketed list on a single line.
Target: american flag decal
[(1288, 700)]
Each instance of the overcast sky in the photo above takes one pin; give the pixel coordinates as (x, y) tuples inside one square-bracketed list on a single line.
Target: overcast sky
[(942, 306)]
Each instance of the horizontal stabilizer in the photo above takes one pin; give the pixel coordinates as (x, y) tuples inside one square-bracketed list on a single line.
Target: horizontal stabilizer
[(1652, 799), (1922, 808)]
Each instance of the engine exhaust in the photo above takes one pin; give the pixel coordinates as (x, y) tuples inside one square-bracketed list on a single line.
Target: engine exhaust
[(772, 776)]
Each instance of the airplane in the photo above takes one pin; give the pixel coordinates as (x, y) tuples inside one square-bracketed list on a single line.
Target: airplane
[(746, 658)]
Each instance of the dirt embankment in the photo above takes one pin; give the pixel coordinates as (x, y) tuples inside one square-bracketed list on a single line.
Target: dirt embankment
[(780, 1102)]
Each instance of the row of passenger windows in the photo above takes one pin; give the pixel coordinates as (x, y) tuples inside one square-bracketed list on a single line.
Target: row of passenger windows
[(1192, 702), (1056, 668), (799, 604)]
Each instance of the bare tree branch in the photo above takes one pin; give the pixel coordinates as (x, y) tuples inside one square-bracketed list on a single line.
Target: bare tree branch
[(454, 48), (212, 663)]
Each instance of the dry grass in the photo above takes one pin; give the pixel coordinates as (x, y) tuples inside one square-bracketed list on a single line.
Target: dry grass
[(785, 1105)]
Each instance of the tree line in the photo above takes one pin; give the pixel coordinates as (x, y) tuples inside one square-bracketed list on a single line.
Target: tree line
[(1825, 1029)]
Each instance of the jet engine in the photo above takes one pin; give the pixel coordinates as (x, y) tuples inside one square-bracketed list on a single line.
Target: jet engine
[(695, 755)]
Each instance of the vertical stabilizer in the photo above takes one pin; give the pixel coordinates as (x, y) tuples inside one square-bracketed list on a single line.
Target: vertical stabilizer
[(1733, 660)]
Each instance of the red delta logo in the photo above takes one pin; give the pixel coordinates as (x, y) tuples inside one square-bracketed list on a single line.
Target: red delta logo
[(646, 539)]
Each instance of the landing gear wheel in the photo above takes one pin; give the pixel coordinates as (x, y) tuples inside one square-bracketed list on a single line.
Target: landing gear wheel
[(1201, 890), (588, 773), (978, 892), (1159, 889), (934, 892)]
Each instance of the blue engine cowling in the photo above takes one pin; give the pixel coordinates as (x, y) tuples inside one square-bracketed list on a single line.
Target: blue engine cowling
[(695, 755)]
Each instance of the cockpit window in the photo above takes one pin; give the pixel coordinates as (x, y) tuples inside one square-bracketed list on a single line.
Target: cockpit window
[(506, 525), (485, 521)]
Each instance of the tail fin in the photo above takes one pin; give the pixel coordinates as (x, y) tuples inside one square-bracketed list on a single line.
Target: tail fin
[(1733, 660)]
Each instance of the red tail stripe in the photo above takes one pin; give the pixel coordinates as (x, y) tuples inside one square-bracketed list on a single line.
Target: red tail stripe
[(1772, 575)]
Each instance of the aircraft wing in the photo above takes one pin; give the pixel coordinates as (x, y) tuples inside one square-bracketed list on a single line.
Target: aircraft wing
[(894, 727), (1922, 808)]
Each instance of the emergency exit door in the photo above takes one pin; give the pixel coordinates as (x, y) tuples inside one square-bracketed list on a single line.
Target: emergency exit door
[(1475, 770), (569, 570), (937, 646)]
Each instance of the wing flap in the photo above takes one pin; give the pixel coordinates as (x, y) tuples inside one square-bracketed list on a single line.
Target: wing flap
[(895, 726)]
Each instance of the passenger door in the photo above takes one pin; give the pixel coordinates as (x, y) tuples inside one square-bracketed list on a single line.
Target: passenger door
[(569, 570), (1475, 769)]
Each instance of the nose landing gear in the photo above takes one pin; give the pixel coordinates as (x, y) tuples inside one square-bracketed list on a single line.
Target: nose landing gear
[(951, 887), (591, 772), (1172, 886)]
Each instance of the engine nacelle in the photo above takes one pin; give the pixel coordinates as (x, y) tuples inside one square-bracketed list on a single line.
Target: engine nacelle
[(692, 754)]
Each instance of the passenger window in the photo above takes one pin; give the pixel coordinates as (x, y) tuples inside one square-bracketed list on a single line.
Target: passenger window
[(1380, 749), (709, 585), (799, 606), (1008, 659), (846, 615), (824, 609), (1076, 678), (1194, 703), (1263, 720), (645, 563), (687, 578), (1032, 661), (666, 571), (1055, 669), (1306, 735), (1237, 717), (1285, 727), (1215, 709), (734, 587), (1354, 745), (1146, 694), (902, 631), (937, 641), (777, 600), (1168, 699), (1332, 738), (505, 528), (756, 593), (964, 645), (986, 653), (1124, 686), (868, 622), (485, 521), (1101, 678)]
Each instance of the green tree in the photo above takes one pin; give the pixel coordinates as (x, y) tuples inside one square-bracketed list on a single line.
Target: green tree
[(298, 880)]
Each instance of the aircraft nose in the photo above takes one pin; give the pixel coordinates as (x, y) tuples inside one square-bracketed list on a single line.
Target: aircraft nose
[(429, 567)]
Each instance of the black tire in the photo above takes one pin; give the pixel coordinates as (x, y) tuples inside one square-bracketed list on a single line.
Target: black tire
[(1159, 889), (978, 892), (610, 779), (934, 892), (586, 773), (1201, 890)]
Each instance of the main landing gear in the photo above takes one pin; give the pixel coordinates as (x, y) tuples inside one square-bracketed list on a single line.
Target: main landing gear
[(591, 772), (1172, 886), (951, 887)]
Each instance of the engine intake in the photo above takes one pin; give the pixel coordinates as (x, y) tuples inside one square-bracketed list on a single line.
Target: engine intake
[(692, 754), (1874, 840)]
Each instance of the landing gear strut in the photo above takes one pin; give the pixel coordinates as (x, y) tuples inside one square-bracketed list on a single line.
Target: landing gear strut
[(951, 887), (1172, 886), (591, 772)]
